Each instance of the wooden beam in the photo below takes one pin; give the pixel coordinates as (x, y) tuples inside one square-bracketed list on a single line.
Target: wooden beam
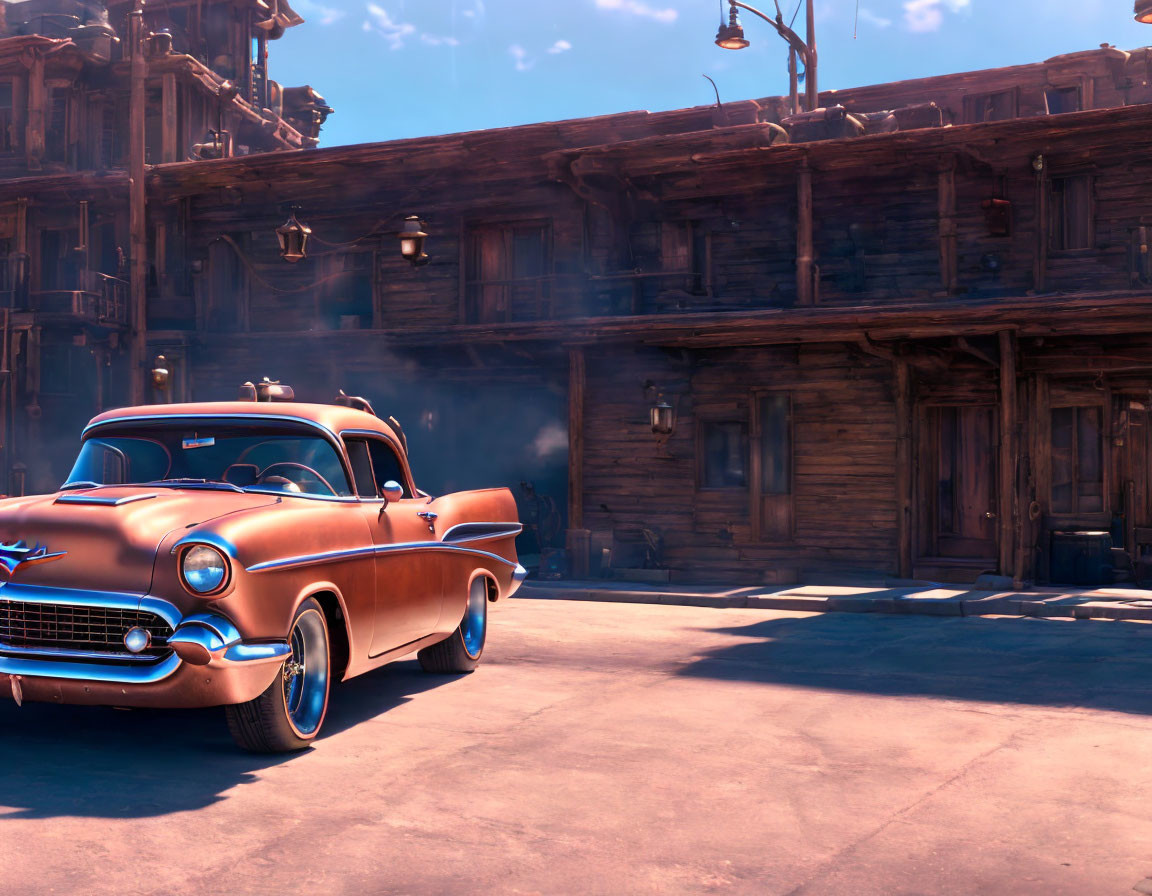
[(577, 537), (170, 121), (949, 272), (1007, 509), (805, 249), (905, 474), (1040, 262)]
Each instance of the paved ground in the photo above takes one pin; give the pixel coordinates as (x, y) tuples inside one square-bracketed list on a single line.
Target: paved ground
[(632, 749), (910, 598)]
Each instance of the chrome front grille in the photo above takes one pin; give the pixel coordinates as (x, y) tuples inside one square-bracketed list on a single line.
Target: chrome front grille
[(79, 631)]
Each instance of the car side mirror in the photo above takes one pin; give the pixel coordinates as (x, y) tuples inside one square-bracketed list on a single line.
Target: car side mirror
[(392, 491)]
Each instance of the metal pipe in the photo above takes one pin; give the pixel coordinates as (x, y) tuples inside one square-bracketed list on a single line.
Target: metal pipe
[(137, 201), (806, 50)]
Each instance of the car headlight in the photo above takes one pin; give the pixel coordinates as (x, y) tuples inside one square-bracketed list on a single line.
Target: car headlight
[(204, 569)]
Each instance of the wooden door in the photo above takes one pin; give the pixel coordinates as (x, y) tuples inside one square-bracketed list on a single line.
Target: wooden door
[(1135, 417), (958, 483)]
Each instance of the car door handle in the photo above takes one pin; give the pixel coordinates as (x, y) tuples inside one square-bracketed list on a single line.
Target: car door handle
[(428, 516)]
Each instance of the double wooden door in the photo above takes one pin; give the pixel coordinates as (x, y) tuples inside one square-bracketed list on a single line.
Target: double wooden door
[(958, 473)]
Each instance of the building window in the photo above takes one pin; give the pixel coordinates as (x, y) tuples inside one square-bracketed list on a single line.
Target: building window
[(1078, 460), (990, 107), (7, 116), (226, 307), (59, 261), (1062, 99), (723, 454), (1070, 207), (56, 134), (507, 273), (349, 296)]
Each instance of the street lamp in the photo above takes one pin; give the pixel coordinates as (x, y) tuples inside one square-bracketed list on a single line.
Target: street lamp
[(731, 37), (1143, 11)]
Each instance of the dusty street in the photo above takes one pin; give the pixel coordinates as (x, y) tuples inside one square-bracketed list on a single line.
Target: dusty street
[(608, 748)]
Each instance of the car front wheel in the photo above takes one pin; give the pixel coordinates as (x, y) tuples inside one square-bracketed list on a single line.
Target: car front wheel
[(288, 715), (460, 651)]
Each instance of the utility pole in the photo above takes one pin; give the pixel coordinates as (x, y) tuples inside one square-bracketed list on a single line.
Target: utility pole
[(137, 201)]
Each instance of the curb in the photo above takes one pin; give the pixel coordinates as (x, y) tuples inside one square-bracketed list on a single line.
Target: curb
[(994, 604)]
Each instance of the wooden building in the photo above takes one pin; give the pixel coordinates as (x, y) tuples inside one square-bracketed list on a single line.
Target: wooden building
[(906, 333)]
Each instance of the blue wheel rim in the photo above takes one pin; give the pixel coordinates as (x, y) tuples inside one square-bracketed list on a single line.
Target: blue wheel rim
[(306, 674), (473, 627)]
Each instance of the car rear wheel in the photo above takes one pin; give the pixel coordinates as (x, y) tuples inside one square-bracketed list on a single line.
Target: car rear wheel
[(287, 717), (461, 651)]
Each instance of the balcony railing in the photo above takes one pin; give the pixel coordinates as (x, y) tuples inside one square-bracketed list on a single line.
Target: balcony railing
[(106, 304)]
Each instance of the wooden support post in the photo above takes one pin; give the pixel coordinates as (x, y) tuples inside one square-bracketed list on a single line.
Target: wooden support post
[(805, 251), (1040, 262), (34, 139), (170, 121), (1007, 509), (577, 537), (137, 198), (905, 473), (949, 274)]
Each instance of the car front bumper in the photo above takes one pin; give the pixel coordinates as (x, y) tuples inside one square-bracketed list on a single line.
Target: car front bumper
[(209, 664)]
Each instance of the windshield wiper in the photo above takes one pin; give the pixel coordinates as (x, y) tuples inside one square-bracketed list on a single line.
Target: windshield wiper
[(198, 483)]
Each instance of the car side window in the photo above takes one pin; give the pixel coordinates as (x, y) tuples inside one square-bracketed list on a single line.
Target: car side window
[(387, 466), (361, 468)]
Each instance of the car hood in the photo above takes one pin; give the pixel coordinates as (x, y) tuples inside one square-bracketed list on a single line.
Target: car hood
[(103, 539)]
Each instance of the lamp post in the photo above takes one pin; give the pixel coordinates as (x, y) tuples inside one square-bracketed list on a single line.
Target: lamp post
[(731, 37), (137, 202)]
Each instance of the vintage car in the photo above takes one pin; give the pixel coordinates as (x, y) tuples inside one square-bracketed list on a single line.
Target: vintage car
[(244, 554)]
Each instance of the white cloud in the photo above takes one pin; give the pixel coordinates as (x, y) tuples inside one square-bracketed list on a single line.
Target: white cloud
[(397, 34), (871, 18), (928, 15), (639, 8), (437, 40), (561, 46), (318, 13), (380, 22), (520, 55)]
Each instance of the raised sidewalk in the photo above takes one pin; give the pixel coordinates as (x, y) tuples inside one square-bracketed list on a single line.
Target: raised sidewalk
[(924, 599)]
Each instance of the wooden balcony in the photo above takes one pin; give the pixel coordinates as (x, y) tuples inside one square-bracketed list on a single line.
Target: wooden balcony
[(106, 305)]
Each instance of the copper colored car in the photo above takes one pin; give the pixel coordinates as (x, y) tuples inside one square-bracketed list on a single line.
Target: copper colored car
[(246, 555)]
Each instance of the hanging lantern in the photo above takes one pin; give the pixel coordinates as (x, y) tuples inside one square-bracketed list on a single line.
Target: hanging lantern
[(161, 374), (412, 238), (662, 416), (293, 237)]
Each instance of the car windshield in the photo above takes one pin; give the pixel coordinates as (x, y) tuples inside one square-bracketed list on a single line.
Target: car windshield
[(273, 457)]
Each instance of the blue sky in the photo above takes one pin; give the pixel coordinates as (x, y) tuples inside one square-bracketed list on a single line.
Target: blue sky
[(406, 68)]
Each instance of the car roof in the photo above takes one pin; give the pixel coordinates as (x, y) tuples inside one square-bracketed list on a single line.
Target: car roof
[(336, 418)]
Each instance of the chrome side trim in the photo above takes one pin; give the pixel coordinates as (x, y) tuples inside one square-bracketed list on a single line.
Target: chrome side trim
[(273, 652), (312, 559), (125, 674), (44, 594), (402, 547), (462, 533), (102, 502)]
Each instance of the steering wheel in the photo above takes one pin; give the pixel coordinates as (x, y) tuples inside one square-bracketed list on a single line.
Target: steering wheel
[(267, 471)]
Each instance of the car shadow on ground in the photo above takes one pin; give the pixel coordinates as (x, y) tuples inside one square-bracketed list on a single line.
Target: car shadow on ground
[(102, 762), (1091, 664)]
